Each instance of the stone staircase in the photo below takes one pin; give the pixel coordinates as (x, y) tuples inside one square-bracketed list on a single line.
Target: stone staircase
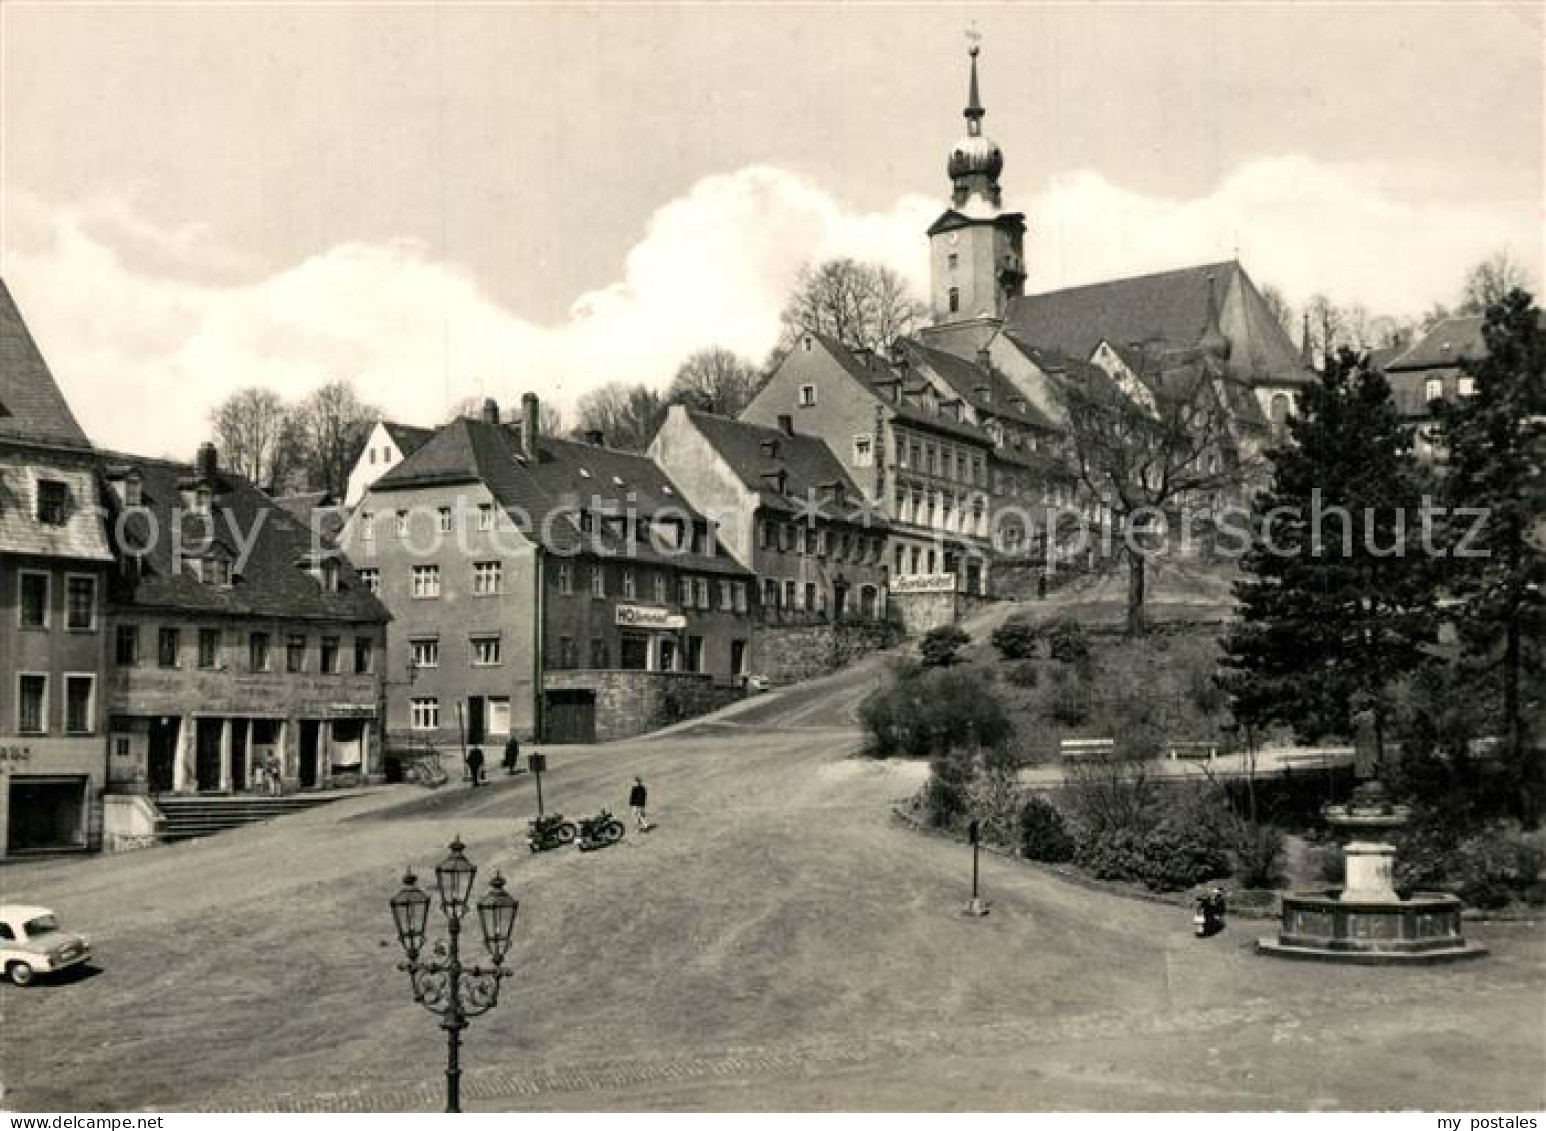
[(185, 817)]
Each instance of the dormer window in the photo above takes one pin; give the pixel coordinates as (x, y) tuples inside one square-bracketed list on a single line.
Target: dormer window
[(53, 502), (807, 396), (133, 490)]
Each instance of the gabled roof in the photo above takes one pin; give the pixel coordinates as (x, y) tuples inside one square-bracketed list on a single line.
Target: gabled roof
[(1451, 341), (32, 407), (409, 438), (272, 580), (969, 380), (545, 496), (1169, 308), (809, 466)]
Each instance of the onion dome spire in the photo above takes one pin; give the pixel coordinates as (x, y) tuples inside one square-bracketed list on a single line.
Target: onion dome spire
[(1213, 340), (976, 160), (974, 111)]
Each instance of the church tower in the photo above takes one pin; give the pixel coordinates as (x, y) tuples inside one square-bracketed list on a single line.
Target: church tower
[(976, 250)]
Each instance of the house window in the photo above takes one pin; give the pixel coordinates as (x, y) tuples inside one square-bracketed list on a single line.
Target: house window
[(821, 543), (565, 579), (487, 578), (443, 519), (486, 652), (34, 599), (53, 502), (1433, 389), (425, 714), (701, 585), (864, 450), (257, 652), (660, 589), (598, 653), (126, 651), (598, 581), (327, 656), (371, 579), (209, 647), (1466, 386), (80, 595), (168, 644), (485, 516), (295, 652), (955, 299), (78, 695), (810, 596), (952, 260), (32, 696), (789, 591), (364, 654), (424, 653), (684, 596), (568, 652), (426, 581), (402, 524), (769, 593), (726, 596), (807, 396), (740, 596), (497, 718), (628, 584)]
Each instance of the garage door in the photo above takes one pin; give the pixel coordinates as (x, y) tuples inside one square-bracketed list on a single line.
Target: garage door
[(47, 813), (571, 716)]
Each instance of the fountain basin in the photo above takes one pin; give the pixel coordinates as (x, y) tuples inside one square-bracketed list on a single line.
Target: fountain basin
[(1328, 926)]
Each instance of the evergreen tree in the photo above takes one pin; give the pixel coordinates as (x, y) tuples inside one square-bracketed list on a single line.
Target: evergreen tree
[(1495, 441), (1337, 598)]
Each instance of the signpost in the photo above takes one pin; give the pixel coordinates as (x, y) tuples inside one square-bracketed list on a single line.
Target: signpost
[(976, 906), (537, 763)]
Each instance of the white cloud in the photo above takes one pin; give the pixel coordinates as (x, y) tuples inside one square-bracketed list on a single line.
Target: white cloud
[(144, 352)]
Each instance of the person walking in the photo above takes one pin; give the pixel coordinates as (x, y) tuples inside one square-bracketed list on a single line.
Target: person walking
[(512, 754), (638, 798), (475, 766)]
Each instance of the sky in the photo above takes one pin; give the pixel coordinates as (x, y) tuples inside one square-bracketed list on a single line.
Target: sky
[(443, 201)]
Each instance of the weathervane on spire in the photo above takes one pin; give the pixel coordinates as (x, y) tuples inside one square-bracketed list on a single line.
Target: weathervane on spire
[(974, 37)]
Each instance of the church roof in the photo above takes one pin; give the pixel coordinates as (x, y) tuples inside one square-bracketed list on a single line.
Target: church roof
[(1169, 308), (32, 407)]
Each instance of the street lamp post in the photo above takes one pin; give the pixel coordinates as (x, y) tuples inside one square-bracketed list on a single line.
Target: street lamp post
[(441, 984)]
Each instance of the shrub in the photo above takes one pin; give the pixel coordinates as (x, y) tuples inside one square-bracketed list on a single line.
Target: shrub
[(1258, 855), (1179, 854), (1497, 865), (1206, 694), (994, 798), (1069, 702), (1024, 674), (1067, 643), (1118, 854), (941, 647), (945, 793), (934, 710), (1043, 835), (1327, 864), (1016, 640)]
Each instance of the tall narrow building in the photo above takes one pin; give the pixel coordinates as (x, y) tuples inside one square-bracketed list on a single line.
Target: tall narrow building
[(977, 262)]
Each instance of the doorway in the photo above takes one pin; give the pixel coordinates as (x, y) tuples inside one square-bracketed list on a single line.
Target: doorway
[(309, 752), (206, 761), (162, 754), (240, 777), (47, 813), (571, 716)]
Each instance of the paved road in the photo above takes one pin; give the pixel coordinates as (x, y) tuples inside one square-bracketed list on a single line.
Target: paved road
[(775, 942)]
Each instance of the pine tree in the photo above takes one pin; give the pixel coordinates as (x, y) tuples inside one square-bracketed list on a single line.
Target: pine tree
[(1337, 598), (1495, 441)]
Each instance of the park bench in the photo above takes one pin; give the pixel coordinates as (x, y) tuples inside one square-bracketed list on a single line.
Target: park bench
[(1208, 750), (1092, 749)]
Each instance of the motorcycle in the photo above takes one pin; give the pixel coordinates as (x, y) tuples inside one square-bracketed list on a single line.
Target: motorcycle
[(548, 832), (599, 831), (1208, 914)]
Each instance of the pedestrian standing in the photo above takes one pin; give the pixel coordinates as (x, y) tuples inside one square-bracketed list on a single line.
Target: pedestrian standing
[(638, 798), (272, 775), (475, 766), (512, 754)]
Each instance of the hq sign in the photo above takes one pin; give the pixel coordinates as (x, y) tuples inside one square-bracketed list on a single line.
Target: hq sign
[(649, 616)]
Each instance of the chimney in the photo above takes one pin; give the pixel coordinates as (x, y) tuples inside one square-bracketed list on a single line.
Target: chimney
[(490, 411), (531, 424), (786, 424), (596, 438), (207, 463)]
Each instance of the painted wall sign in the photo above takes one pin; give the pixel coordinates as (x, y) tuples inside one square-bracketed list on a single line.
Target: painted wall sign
[(923, 583)]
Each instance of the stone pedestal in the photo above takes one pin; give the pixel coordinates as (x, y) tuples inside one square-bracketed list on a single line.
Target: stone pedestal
[(1369, 868)]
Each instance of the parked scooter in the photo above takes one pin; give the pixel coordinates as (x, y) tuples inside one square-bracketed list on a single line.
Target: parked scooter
[(599, 831), (551, 831), (1208, 916)]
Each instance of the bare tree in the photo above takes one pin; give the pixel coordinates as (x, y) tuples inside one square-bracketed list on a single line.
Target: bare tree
[(252, 430), (862, 305), (714, 380), (628, 416), (1281, 310), (1149, 453), (332, 425), (1490, 281)]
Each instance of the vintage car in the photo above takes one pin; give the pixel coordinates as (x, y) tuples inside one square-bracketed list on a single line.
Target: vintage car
[(31, 943)]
